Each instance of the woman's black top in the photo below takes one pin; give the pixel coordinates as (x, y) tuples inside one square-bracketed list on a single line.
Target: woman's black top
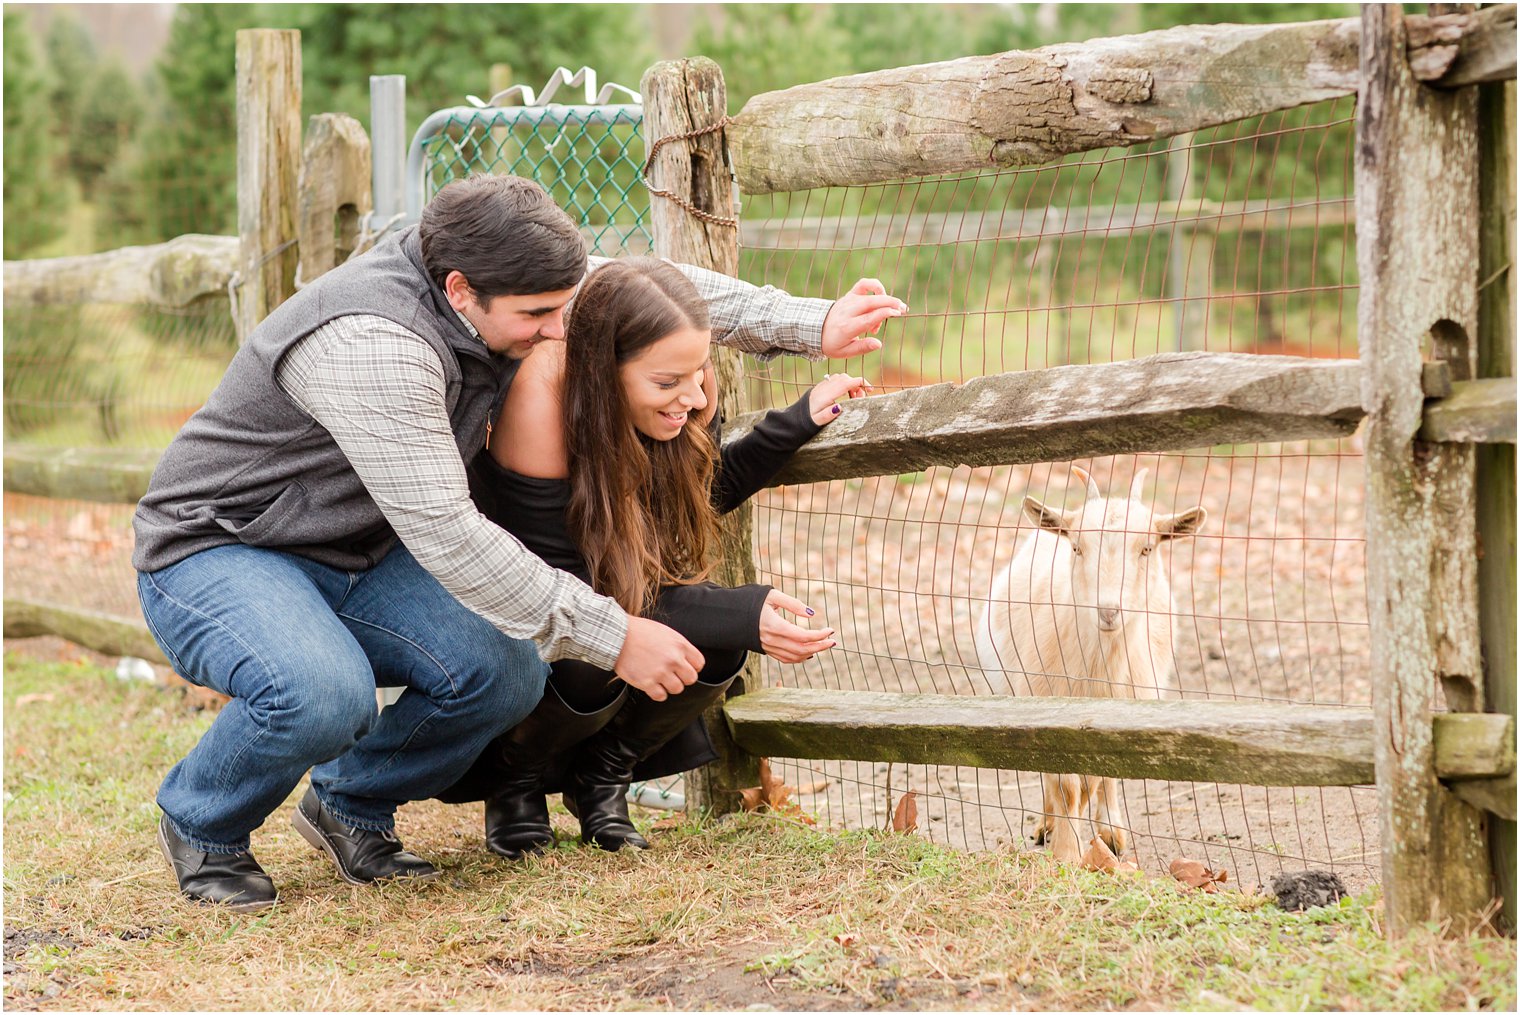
[(707, 615)]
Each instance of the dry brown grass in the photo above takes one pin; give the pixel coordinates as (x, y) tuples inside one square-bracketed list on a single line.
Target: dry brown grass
[(726, 915)]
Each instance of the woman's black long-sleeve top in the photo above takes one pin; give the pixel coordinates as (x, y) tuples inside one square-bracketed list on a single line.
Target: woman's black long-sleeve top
[(707, 615)]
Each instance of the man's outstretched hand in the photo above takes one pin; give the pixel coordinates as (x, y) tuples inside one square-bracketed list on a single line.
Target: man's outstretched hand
[(856, 316), (657, 660)]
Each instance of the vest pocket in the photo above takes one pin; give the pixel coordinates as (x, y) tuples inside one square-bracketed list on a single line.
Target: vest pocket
[(269, 527)]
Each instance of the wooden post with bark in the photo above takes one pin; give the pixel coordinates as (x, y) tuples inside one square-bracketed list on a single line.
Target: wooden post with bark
[(1496, 462), (269, 158), (681, 96), (1416, 164), (334, 192)]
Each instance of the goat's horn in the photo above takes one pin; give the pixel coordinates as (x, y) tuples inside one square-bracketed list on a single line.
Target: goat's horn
[(1086, 477), (1137, 485)]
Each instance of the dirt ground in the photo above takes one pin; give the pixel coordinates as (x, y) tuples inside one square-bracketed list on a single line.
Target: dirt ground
[(1270, 606)]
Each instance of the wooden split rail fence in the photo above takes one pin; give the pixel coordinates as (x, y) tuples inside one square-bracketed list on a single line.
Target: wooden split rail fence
[(1434, 392)]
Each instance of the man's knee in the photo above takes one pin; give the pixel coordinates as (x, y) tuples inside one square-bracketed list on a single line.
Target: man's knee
[(323, 708), (505, 679)]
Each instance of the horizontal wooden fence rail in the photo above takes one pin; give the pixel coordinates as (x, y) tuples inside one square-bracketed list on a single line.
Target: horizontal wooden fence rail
[(1247, 743), (170, 275), (100, 632), (1476, 412), (99, 475), (1168, 402), (1030, 108)]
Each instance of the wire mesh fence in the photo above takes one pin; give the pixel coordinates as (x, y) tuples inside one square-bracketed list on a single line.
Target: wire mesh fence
[(1235, 239)]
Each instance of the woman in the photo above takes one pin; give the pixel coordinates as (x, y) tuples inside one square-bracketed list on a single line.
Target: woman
[(614, 475)]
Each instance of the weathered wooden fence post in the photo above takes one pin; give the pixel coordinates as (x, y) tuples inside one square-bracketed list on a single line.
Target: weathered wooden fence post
[(334, 192), (1496, 462), (681, 96), (1417, 232), (269, 157)]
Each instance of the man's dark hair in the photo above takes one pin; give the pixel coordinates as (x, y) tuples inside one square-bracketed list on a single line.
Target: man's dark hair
[(504, 234)]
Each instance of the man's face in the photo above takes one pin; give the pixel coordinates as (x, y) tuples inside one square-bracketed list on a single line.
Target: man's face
[(512, 325)]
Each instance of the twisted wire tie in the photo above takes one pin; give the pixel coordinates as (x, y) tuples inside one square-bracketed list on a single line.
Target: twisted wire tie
[(691, 209)]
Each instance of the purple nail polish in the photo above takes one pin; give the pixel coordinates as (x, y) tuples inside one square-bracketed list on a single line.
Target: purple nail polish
[(810, 611), (836, 410)]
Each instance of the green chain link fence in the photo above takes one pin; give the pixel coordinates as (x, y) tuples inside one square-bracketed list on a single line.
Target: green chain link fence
[(588, 157)]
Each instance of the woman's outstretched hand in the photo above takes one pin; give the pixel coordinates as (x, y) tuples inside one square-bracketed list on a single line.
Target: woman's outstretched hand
[(823, 400), (856, 316), (788, 642)]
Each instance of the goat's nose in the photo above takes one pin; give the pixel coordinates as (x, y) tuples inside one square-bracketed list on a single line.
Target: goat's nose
[(1108, 618)]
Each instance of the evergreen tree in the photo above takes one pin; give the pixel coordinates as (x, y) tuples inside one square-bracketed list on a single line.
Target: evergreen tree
[(72, 63), (34, 207)]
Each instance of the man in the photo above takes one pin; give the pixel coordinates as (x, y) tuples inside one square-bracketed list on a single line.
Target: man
[(309, 534)]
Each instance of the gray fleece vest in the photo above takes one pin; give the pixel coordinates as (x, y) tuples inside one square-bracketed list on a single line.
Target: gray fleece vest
[(252, 467)]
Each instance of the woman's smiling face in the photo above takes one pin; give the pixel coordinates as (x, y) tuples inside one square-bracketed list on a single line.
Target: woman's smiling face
[(663, 383)]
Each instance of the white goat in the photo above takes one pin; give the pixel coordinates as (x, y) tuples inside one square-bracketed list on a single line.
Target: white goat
[(1084, 609)]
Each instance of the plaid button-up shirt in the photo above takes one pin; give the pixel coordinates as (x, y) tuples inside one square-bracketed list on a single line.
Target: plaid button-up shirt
[(379, 390)]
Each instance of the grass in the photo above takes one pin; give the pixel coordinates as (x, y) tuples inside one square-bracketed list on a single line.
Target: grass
[(724, 914)]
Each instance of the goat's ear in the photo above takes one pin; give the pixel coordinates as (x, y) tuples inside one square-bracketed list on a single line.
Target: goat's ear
[(1047, 518), (1183, 523), (1137, 485)]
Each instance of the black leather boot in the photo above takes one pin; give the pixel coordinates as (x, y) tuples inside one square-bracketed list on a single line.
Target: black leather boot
[(604, 770), (517, 817), (233, 880), (362, 856)]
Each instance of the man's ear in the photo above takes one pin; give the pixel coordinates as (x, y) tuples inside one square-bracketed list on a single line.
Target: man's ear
[(457, 288)]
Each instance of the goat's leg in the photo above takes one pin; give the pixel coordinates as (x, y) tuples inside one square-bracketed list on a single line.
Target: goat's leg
[(1048, 809), (1110, 829), (1066, 843)]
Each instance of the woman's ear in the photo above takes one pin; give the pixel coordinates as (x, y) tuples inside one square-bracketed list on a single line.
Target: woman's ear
[(710, 390)]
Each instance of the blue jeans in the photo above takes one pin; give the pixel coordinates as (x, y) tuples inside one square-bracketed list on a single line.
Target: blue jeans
[(300, 648)]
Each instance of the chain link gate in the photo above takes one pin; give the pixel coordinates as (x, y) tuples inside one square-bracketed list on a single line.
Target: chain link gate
[(581, 154)]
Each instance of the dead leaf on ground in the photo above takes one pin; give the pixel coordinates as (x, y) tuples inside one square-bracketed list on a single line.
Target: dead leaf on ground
[(905, 816), (846, 940), (1100, 858), (32, 699), (1195, 874), (772, 793), (813, 787), (666, 824)]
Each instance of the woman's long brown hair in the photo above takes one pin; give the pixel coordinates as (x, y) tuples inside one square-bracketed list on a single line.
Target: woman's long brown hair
[(641, 510)]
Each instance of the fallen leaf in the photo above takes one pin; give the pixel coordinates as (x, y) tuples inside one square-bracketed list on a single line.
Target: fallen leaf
[(846, 940), (813, 787), (905, 816), (666, 824), (772, 793), (32, 699), (1195, 874), (1098, 856)]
